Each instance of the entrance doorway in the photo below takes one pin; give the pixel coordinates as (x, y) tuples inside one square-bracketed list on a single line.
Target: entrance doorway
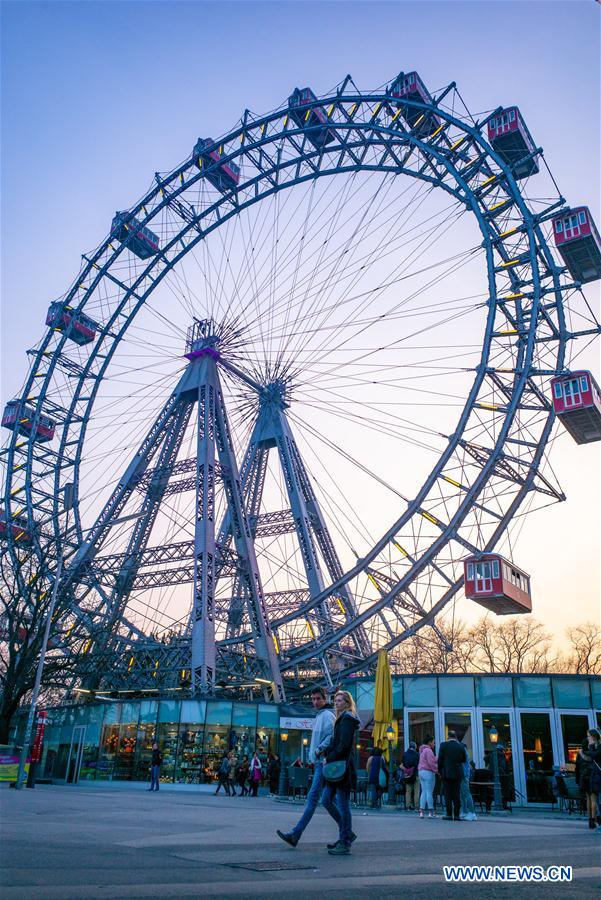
[(76, 754), (539, 754), (459, 721)]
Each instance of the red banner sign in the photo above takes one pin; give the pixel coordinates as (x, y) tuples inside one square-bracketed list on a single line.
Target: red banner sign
[(38, 741)]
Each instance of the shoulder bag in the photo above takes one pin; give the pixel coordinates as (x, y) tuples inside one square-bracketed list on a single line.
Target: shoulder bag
[(334, 772)]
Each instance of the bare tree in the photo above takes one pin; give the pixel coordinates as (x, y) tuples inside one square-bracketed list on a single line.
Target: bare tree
[(516, 644), (584, 656), (25, 595)]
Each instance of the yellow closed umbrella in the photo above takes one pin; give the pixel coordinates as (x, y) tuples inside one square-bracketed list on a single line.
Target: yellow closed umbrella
[(382, 702)]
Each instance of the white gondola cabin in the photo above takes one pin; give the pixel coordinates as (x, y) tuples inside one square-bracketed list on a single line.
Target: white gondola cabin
[(578, 242), (140, 240), (508, 134), (79, 327), (19, 416), (577, 405), (409, 86), (312, 118), (224, 176), (497, 584)]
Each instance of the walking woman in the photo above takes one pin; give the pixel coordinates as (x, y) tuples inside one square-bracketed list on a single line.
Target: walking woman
[(256, 773), (336, 797), (427, 769)]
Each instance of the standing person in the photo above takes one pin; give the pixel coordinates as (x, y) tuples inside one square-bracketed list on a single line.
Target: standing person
[(409, 765), (375, 765), (233, 763), (274, 769), (223, 775), (323, 729), (451, 757), (588, 776), (427, 770), (341, 747), (594, 740), (242, 774), (468, 810), (255, 774), (155, 768)]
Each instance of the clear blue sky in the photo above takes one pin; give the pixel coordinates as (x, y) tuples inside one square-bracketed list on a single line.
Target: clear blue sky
[(96, 97)]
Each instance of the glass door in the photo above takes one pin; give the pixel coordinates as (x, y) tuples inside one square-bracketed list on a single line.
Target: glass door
[(483, 577), (420, 724), (572, 393), (461, 722), (501, 721), (539, 753), (572, 726), (78, 740)]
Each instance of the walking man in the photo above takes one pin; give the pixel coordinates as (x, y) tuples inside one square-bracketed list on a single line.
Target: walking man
[(323, 729), (155, 768), (451, 757), (223, 775)]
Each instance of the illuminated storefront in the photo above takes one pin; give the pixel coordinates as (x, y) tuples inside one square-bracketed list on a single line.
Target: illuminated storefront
[(539, 719)]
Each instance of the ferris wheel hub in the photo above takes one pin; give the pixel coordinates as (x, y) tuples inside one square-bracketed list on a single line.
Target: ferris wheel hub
[(202, 340)]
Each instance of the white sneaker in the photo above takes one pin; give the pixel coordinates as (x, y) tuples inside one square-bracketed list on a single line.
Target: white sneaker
[(471, 817)]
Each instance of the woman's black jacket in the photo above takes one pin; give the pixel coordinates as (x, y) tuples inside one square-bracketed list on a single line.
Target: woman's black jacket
[(342, 745)]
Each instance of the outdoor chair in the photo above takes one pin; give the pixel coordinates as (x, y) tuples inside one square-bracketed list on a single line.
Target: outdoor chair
[(298, 780), (569, 795)]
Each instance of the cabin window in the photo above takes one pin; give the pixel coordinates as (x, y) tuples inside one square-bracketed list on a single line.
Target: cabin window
[(557, 390), (470, 571), (512, 116), (583, 383), (495, 568), (573, 221), (483, 570), (559, 226), (582, 217)]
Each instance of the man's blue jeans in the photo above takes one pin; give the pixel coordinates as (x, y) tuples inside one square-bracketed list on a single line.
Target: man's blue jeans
[(339, 810), (154, 777), (312, 801)]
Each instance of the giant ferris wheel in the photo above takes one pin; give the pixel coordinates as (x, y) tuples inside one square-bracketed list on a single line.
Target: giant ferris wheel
[(303, 378)]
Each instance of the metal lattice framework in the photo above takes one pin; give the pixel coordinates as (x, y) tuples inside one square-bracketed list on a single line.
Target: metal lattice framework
[(331, 622)]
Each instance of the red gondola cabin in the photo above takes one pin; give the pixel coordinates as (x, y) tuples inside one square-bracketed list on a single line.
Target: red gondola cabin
[(577, 404), (497, 584), (19, 416), (509, 136), (410, 87), (313, 119), (578, 242), (140, 240), (79, 327), (224, 177), (17, 526)]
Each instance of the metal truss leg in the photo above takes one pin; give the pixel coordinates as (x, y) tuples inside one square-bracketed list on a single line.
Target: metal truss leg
[(243, 541)]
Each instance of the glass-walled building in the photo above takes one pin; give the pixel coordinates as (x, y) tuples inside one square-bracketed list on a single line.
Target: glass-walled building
[(539, 719)]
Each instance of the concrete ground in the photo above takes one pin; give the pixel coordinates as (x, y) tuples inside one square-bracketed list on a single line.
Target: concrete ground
[(66, 843)]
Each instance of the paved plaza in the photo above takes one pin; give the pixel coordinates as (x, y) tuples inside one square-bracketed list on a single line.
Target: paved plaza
[(63, 843)]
